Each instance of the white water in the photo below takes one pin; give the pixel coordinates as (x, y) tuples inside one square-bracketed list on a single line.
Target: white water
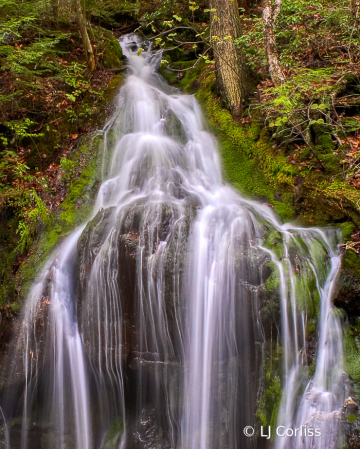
[(168, 294)]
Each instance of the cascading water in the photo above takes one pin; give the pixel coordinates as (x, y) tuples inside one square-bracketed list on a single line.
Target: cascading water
[(148, 326)]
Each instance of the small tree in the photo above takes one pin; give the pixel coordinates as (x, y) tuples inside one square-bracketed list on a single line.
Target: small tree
[(270, 15), (85, 37), (231, 69)]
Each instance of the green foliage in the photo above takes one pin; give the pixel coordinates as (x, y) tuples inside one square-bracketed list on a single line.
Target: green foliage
[(249, 42), (351, 124), (166, 10), (304, 28), (302, 107), (316, 40), (30, 209), (34, 210), (185, 31), (20, 129), (75, 209), (351, 418)]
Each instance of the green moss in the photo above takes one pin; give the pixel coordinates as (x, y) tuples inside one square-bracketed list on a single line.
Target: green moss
[(167, 74), (9, 241), (189, 83), (249, 162), (350, 261), (269, 402), (304, 154), (351, 124), (273, 281), (116, 12), (285, 210), (113, 436), (307, 295), (330, 161), (323, 139), (114, 85), (347, 229), (320, 202), (342, 191), (310, 327), (312, 367), (351, 342), (273, 241), (113, 55)]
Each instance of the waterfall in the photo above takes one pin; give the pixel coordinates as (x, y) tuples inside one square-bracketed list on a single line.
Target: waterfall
[(149, 327)]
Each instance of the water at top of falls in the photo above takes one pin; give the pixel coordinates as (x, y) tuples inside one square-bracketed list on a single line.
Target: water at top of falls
[(147, 329)]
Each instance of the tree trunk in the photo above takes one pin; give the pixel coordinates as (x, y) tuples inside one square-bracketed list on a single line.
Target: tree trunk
[(232, 73), (244, 4), (270, 14), (276, 10), (55, 8), (352, 6), (84, 9), (85, 37)]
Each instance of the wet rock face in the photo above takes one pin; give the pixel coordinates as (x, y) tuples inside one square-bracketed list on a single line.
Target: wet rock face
[(125, 262), (106, 288), (129, 313), (347, 292)]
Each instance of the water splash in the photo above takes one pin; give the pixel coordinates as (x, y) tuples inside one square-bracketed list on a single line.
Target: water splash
[(148, 326)]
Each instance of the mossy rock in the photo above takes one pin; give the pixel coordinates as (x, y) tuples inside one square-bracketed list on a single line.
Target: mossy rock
[(113, 55), (318, 202), (347, 230), (117, 13), (323, 139), (347, 292), (249, 160), (351, 124), (351, 344), (271, 392)]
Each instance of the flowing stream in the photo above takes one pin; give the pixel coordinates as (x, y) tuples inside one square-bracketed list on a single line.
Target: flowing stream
[(155, 324)]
